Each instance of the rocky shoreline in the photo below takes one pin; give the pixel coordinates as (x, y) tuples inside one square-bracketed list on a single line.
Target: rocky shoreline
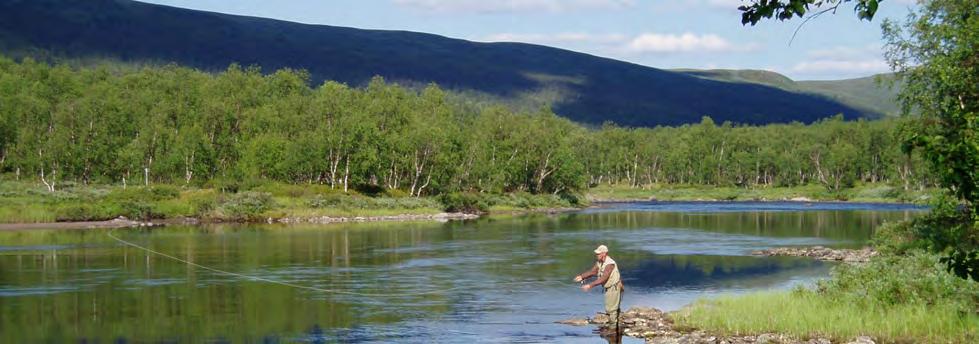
[(657, 327), (821, 253), (442, 217)]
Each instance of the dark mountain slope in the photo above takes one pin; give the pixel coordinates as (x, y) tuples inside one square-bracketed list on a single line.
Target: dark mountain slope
[(592, 89)]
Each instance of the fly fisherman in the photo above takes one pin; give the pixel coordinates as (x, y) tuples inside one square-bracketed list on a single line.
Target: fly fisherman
[(608, 277)]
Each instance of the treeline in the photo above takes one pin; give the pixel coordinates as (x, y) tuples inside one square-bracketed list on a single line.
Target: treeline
[(177, 125)]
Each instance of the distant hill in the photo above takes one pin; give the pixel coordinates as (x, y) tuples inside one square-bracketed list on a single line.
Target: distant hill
[(582, 87), (872, 94)]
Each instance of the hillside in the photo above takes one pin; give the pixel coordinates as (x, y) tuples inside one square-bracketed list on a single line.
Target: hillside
[(864, 93), (582, 87)]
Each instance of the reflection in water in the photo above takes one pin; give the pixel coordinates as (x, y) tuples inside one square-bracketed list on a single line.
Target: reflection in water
[(507, 279), (714, 272)]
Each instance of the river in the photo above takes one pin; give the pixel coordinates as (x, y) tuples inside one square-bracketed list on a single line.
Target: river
[(496, 279)]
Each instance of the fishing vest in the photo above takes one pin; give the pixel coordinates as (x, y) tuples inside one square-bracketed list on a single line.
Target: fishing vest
[(613, 278)]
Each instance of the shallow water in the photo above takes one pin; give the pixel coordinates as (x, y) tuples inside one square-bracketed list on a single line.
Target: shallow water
[(490, 280)]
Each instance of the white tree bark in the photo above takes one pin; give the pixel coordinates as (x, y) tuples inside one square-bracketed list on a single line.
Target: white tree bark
[(50, 185)]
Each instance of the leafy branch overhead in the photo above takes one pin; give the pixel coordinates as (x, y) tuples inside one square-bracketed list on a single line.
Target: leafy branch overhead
[(784, 10)]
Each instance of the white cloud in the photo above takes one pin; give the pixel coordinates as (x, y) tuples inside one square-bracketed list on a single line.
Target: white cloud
[(557, 38), (496, 6), (841, 66), (683, 43), (843, 52), (616, 44), (843, 60)]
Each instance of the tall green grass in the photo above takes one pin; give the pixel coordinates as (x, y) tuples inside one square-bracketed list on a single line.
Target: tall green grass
[(896, 298), (805, 315)]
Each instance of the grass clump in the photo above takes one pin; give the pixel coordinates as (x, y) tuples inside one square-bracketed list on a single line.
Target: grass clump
[(466, 202), (893, 298), (805, 314), (248, 205)]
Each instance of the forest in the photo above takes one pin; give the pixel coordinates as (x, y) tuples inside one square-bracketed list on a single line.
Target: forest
[(139, 125)]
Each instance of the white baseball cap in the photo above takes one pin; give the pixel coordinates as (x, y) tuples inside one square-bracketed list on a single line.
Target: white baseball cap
[(601, 249)]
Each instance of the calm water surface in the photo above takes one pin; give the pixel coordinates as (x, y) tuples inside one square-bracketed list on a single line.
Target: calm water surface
[(490, 280)]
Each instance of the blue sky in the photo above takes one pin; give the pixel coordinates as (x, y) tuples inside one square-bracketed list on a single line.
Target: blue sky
[(656, 33)]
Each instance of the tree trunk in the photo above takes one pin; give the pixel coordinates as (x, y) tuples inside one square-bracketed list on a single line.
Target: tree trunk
[(346, 174), (188, 168), (49, 185), (543, 173)]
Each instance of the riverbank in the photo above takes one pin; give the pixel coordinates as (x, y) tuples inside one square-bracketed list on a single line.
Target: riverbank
[(656, 326), (887, 299), (867, 193), (89, 206), (27, 202), (893, 298)]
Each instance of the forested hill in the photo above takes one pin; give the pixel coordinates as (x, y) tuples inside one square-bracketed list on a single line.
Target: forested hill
[(582, 87), (876, 93)]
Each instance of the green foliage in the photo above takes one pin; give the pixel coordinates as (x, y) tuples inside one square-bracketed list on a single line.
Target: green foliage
[(240, 130), (805, 315), (934, 54), (248, 205), (465, 202), (356, 202), (912, 279), (895, 298), (787, 9)]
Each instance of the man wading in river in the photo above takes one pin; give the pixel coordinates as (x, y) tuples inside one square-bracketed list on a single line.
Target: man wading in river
[(608, 277)]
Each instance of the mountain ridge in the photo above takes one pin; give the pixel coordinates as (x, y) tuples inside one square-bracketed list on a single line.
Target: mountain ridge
[(585, 88)]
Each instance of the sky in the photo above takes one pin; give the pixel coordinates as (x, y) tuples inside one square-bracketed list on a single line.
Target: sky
[(701, 34)]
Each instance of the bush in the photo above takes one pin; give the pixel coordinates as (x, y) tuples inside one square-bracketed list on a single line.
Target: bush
[(327, 201), (348, 202), (279, 189), (915, 279), (248, 205), (137, 209), (464, 202), (84, 212), (202, 201), (163, 192), (225, 184), (896, 238)]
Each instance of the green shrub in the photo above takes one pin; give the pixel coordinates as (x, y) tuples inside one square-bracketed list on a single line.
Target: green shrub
[(163, 192), (395, 193), (353, 202), (202, 201), (464, 202), (327, 201), (416, 203), (225, 184), (248, 205), (85, 212), (895, 238), (174, 208), (914, 279), (279, 189), (137, 209)]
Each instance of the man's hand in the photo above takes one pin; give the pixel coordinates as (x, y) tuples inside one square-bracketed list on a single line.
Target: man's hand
[(586, 287), (578, 278)]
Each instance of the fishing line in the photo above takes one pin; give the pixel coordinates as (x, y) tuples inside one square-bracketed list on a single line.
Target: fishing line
[(287, 284)]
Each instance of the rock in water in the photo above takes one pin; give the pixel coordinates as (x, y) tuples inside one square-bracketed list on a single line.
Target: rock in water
[(574, 322)]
